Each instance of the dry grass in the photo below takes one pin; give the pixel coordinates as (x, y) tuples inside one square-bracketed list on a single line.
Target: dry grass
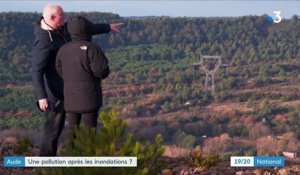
[(229, 107), (173, 151)]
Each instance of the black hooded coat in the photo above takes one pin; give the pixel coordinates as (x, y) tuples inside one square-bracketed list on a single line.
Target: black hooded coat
[(82, 64)]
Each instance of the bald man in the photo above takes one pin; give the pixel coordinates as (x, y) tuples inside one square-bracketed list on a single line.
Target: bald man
[(50, 34)]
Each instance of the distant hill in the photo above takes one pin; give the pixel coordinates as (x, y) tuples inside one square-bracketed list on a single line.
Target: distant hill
[(248, 39)]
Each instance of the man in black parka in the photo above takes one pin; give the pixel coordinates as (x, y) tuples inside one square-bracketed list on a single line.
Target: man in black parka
[(82, 65), (50, 34)]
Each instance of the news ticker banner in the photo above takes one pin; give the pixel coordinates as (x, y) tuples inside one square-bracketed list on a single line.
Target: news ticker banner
[(257, 161), (235, 161), (70, 162)]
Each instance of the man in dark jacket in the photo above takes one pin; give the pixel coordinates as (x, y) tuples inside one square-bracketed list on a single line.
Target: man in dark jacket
[(50, 34), (82, 64)]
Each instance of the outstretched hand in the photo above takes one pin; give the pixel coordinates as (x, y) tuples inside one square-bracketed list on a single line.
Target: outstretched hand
[(116, 26)]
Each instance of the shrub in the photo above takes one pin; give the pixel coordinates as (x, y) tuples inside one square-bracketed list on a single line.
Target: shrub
[(24, 146), (111, 141), (197, 159), (184, 140)]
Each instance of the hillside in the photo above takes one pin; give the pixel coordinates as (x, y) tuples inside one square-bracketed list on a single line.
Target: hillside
[(157, 89)]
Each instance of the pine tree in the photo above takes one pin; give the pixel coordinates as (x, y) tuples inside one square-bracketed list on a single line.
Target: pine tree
[(111, 140)]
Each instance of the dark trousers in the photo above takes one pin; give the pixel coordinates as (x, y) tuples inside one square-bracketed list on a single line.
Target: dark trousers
[(89, 120), (55, 121)]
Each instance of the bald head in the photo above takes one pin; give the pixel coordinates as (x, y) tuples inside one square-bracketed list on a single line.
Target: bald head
[(53, 15)]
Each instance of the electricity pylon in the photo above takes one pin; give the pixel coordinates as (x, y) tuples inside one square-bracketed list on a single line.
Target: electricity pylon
[(210, 65)]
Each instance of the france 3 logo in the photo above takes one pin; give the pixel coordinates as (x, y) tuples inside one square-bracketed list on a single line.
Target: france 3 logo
[(276, 18)]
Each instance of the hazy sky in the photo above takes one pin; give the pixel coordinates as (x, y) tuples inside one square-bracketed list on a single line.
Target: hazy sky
[(194, 8)]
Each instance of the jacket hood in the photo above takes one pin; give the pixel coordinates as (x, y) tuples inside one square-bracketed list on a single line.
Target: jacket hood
[(80, 29)]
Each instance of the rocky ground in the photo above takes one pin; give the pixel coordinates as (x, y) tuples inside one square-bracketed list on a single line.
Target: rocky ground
[(175, 166)]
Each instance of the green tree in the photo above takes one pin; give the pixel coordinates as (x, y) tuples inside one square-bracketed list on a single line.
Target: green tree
[(183, 140), (112, 141)]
